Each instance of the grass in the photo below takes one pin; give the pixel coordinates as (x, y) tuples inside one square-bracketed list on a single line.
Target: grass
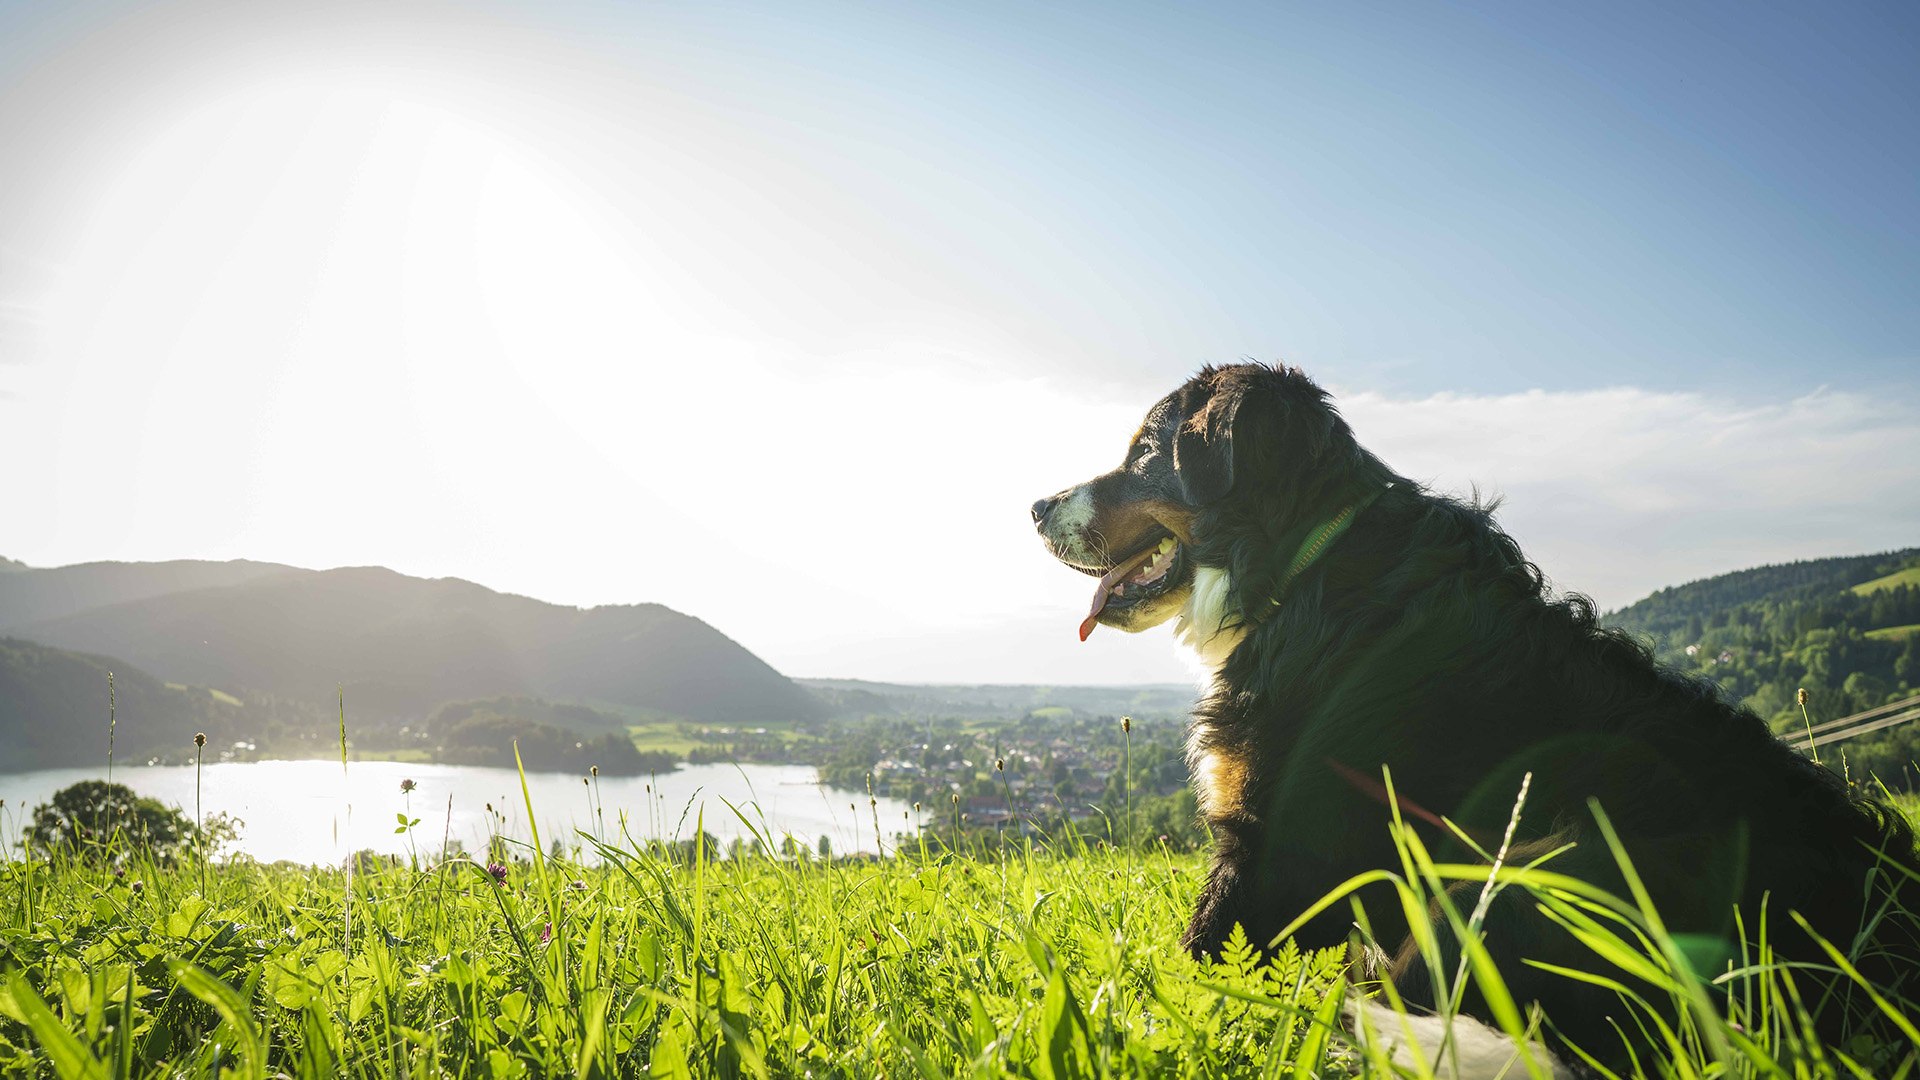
[(1908, 576), (669, 739), (672, 735), (748, 968), (1056, 959), (218, 695), (606, 956), (1894, 633)]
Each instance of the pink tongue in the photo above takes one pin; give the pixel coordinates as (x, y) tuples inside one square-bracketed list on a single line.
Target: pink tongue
[(1105, 589)]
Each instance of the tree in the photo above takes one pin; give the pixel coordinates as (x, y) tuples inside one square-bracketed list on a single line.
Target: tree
[(86, 817)]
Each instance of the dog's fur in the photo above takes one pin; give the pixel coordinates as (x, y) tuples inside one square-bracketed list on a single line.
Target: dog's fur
[(1421, 641)]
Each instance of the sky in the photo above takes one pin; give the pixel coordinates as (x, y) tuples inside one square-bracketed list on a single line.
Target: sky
[(782, 314)]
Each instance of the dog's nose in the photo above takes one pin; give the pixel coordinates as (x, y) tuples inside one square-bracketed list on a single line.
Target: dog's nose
[(1041, 508)]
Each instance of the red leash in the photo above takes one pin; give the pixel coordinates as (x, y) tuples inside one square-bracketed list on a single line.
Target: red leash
[(1377, 791)]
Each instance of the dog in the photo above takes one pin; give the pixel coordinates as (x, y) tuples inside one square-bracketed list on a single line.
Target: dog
[(1356, 631)]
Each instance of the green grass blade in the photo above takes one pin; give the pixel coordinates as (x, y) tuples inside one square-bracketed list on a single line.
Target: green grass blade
[(232, 1008), (70, 1058)]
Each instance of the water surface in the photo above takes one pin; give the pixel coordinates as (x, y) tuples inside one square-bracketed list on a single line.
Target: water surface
[(299, 810)]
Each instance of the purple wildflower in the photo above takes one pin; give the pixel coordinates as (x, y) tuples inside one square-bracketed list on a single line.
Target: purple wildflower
[(499, 872)]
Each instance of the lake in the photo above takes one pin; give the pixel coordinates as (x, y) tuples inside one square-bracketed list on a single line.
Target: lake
[(299, 810)]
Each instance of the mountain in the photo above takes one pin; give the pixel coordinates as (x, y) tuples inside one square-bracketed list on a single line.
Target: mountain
[(399, 646), (1669, 608), (1847, 630), (48, 697), (29, 595)]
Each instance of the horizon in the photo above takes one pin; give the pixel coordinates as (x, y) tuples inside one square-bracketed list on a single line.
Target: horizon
[(782, 320), (1187, 683)]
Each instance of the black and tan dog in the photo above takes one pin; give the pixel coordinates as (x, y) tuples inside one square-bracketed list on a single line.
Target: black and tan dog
[(1351, 622)]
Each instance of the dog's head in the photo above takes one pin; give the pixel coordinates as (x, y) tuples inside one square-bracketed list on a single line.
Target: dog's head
[(1229, 438)]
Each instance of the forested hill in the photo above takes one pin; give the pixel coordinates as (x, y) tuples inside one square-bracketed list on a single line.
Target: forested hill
[(399, 645), (1845, 629), (30, 594), (53, 711)]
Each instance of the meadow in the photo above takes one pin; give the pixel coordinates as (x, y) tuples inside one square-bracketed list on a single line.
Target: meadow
[(1052, 957)]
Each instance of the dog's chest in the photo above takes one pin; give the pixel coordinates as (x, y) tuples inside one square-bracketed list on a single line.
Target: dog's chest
[(1206, 627), (1209, 633), (1219, 782), (1220, 763)]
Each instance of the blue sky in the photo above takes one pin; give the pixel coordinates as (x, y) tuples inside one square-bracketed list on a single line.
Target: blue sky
[(782, 314), (1466, 198)]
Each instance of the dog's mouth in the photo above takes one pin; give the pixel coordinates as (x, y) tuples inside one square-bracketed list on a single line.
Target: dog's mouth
[(1147, 574)]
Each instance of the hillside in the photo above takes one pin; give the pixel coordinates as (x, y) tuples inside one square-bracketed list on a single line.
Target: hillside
[(400, 646), (53, 711), (29, 594), (1842, 628)]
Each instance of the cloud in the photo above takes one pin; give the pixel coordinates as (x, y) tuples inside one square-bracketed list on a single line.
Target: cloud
[(19, 341), (1621, 491), (1614, 493), (18, 332), (23, 284)]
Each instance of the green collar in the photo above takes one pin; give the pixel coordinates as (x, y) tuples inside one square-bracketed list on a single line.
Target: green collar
[(1318, 541)]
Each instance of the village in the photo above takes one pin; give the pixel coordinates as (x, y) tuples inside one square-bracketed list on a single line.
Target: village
[(1044, 770)]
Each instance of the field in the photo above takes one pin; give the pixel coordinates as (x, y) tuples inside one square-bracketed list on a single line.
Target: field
[(1908, 576), (1050, 958)]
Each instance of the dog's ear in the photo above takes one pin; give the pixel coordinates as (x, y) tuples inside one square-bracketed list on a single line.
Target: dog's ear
[(1203, 443)]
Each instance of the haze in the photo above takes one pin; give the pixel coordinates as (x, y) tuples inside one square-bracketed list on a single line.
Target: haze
[(782, 315)]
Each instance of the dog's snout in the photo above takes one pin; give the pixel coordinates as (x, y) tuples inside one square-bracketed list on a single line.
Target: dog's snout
[(1043, 507)]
